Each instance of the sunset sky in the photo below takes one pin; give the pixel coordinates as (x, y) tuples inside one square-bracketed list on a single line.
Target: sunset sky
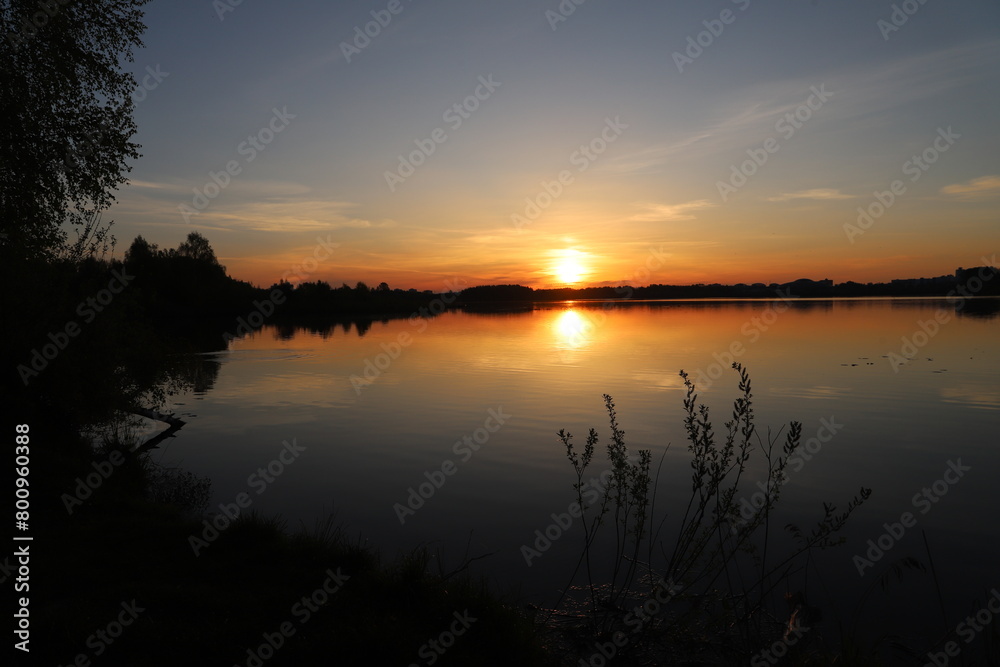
[(621, 144)]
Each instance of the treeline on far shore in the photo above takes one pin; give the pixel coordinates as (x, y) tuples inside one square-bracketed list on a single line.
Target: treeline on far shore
[(178, 285), (186, 292), (977, 281)]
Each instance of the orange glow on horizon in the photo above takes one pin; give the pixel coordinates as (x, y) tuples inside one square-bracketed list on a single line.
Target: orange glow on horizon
[(577, 266)]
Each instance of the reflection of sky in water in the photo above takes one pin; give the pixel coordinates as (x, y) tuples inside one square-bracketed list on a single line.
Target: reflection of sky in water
[(810, 392), (368, 442), (976, 396)]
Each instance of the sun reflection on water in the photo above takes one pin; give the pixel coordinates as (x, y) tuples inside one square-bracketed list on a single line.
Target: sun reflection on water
[(573, 330)]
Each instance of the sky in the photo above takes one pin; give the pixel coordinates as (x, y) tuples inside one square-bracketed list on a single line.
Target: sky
[(440, 143)]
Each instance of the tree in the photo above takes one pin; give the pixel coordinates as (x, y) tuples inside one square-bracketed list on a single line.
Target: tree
[(141, 250), (67, 109), (197, 247)]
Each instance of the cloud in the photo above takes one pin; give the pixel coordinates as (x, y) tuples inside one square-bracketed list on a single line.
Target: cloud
[(286, 214), (668, 212), (745, 116), (657, 155), (182, 192), (815, 193), (149, 185), (984, 186), (261, 206)]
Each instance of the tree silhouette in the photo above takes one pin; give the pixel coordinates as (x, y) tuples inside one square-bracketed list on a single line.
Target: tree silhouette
[(198, 248), (141, 251), (67, 109)]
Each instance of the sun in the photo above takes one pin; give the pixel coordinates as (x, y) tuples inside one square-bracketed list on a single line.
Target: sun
[(569, 272), (569, 267)]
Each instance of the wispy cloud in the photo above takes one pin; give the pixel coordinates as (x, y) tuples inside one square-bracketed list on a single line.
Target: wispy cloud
[(655, 156), (262, 206), (150, 185), (821, 194), (289, 214), (746, 116), (183, 192), (977, 188), (668, 212)]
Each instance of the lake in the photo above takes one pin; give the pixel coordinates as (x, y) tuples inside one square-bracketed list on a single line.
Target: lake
[(469, 404)]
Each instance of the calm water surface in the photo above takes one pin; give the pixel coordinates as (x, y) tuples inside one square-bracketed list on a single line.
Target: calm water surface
[(366, 445)]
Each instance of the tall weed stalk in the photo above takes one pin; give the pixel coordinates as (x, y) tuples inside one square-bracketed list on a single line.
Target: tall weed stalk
[(721, 563)]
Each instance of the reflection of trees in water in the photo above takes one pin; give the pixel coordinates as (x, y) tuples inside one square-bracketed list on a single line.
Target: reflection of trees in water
[(284, 332), (326, 328), (985, 309), (194, 372)]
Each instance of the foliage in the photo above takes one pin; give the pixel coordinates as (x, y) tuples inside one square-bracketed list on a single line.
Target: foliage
[(718, 560), (67, 109)]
